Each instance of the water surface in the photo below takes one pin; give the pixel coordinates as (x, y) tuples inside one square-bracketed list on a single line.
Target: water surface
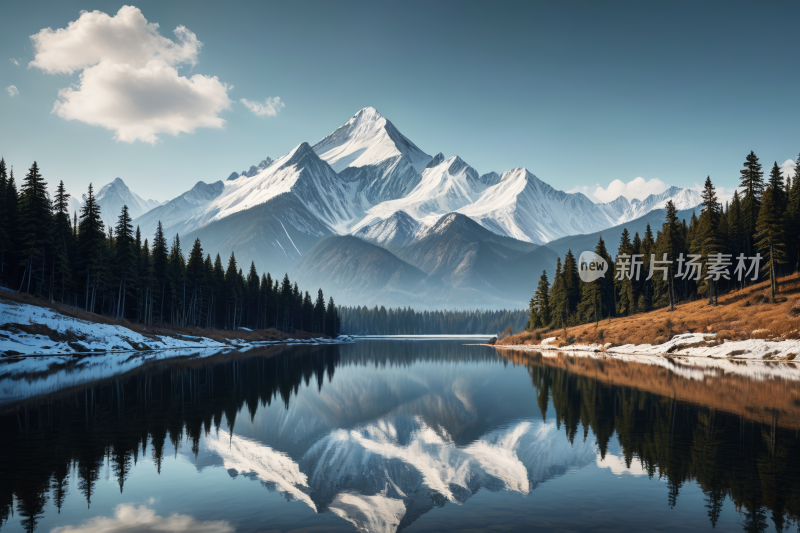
[(391, 435)]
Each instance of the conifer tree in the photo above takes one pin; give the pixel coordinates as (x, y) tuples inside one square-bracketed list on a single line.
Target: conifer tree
[(160, 259), (559, 305), (91, 245), (62, 243), (34, 224), (752, 182), (125, 256), (231, 293), (319, 313), (571, 284), (541, 299), (776, 184), (793, 218), (624, 287), (330, 319), (196, 277), (220, 308), (769, 238), (176, 276)]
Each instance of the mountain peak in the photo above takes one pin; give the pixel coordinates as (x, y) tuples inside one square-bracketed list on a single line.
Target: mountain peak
[(368, 139), (366, 114), (437, 159)]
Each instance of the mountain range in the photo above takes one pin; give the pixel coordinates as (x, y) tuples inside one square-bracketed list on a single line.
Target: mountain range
[(368, 215)]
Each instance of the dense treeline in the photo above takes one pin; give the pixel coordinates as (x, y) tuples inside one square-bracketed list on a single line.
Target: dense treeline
[(407, 321), (111, 271), (714, 253)]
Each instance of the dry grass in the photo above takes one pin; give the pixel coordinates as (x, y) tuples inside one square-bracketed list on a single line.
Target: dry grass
[(149, 331), (740, 315)]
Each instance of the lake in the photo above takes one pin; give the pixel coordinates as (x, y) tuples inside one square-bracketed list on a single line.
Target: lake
[(392, 435)]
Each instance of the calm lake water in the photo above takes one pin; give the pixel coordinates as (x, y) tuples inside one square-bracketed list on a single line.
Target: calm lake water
[(389, 435)]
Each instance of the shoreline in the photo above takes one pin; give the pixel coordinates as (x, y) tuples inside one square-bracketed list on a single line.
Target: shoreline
[(694, 345)]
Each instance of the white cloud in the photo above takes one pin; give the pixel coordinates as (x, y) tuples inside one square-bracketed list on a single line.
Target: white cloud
[(129, 82), (636, 188), (128, 518), (14, 61), (12, 90), (618, 467), (788, 168), (269, 108)]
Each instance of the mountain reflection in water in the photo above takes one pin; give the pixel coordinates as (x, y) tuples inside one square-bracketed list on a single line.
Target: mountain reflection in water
[(383, 434)]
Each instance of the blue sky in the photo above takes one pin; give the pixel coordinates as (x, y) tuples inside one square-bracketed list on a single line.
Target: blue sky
[(580, 93)]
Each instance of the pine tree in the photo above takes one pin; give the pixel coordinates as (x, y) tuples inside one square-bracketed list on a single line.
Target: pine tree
[(769, 238), (572, 283), (34, 224), (231, 293), (319, 313), (196, 278), (624, 287), (559, 306), (752, 182), (176, 277), (62, 242), (91, 247), (125, 255), (330, 319), (778, 191), (160, 259), (220, 296), (541, 299), (793, 218)]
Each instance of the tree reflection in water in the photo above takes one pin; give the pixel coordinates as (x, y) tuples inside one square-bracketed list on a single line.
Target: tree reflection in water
[(727, 452), (730, 451)]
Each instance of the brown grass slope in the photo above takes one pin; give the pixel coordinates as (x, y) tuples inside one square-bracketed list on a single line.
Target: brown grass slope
[(742, 314)]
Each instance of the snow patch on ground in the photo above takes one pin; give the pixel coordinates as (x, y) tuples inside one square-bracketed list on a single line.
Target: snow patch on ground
[(81, 336), (693, 355)]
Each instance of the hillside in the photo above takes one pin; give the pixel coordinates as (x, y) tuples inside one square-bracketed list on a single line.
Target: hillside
[(740, 315), (347, 265)]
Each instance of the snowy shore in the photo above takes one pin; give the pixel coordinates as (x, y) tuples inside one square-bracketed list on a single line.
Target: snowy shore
[(687, 345), (61, 334), (693, 355)]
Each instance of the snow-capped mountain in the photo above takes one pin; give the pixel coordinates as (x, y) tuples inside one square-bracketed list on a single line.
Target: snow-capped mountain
[(397, 231), (111, 197), (178, 209), (371, 153), (623, 210), (446, 185), (253, 170), (526, 208), (301, 173)]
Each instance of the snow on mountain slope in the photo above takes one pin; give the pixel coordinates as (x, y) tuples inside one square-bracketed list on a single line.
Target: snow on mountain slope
[(253, 170), (300, 172), (623, 210), (179, 209), (443, 188), (395, 232), (111, 197), (368, 139), (524, 207), (370, 152)]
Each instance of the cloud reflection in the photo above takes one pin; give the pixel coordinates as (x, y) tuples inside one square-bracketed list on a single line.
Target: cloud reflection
[(131, 519)]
